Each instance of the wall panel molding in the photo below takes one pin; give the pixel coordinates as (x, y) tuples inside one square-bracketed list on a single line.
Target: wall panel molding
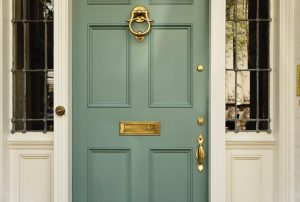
[(249, 174), (31, 174)]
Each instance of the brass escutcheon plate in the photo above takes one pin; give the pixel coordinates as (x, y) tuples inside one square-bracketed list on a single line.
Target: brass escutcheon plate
[(146, 128)]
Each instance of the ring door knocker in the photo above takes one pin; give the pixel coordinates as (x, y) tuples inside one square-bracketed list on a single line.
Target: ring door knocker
[(139, 15)]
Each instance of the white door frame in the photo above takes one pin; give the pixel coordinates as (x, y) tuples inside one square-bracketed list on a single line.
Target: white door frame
[(63, 96)]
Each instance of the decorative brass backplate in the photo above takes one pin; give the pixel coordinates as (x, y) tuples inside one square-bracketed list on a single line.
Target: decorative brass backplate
[(128, 128)]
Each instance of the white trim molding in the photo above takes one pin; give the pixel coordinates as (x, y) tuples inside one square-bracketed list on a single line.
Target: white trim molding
[(286, 98), (63, 96), (5, 65), (217, 101), (1, 106)]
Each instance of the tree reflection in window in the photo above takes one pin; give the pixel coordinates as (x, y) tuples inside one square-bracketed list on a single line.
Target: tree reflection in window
[(247, 65)]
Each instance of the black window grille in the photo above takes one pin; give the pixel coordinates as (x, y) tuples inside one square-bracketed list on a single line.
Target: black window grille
[(248, 65), (32, 67)]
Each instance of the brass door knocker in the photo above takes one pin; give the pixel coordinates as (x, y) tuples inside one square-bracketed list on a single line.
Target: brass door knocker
[(139, 15)]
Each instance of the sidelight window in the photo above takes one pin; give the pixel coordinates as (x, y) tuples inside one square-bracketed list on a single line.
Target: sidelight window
[(247, 65), (32, 67)]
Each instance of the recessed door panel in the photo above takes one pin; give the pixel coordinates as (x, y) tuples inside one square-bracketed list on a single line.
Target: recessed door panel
[(109, 71), (170, 66)]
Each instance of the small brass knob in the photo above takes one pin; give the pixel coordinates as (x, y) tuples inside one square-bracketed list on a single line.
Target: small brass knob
[(200, 68), (60, 110), (200, 121)]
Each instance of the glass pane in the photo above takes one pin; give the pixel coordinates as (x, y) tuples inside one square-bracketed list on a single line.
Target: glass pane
[(19, 98), (35, 104), (242, 45), (264, 125), (50, 125), (39, 9), (50, 43), (264, 45), (252, 45), (242, 9), (18, 61), (230, 39), (253, 95), (264, 9), (35, 126), (19, 126), (36, 46), (230, 125), (252, 9), (230, 9), (230, 87), (18, 10), (264, 95)]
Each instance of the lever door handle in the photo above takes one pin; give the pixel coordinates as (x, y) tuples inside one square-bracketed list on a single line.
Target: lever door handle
[(200, 153)]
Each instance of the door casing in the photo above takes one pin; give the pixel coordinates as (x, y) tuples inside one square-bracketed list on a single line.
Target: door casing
[(63, 96)]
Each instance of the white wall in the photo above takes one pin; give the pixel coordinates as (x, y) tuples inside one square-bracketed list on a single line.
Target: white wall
[(297, 103)]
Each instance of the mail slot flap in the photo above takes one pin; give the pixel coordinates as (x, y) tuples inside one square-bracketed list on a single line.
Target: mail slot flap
[(151, 128)]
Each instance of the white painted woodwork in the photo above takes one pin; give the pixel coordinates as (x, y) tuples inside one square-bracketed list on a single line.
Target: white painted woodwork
[(285, 138), (249, 167), (5, 96), (249, 171), (297, 104), (22, 178), (63, 96), (297, 159), (217, 101), (31, 168)]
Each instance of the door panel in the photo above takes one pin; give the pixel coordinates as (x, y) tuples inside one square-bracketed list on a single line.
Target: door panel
[(117, 78)]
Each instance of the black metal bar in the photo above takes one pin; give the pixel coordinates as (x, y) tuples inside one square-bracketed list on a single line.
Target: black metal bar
[(269, 85), (46, 68), (249, 120), (26, 50), (257, 66), (32, 70), (250, 20), (13, 130), (235, 41), (14, 120), (250, 70), (30, 21)]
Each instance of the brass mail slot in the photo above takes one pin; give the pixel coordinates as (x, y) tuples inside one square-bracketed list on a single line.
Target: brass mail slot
[(139, 128)]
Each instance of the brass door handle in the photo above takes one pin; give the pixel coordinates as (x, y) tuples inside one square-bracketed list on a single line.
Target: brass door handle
[(139, 15), (200, 153)]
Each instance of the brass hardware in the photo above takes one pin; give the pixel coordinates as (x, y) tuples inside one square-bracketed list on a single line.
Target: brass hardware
[(200, 121), (200, 153), (139, 128), (60, 110), (298, 80), (139, 15), (200, 68)]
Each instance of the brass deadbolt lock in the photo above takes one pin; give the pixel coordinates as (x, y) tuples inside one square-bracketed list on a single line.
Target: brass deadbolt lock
[(60, 110), (200, 121), (200, 68)]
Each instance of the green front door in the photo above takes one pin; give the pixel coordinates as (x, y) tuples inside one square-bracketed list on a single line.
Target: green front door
[(117, 78)]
